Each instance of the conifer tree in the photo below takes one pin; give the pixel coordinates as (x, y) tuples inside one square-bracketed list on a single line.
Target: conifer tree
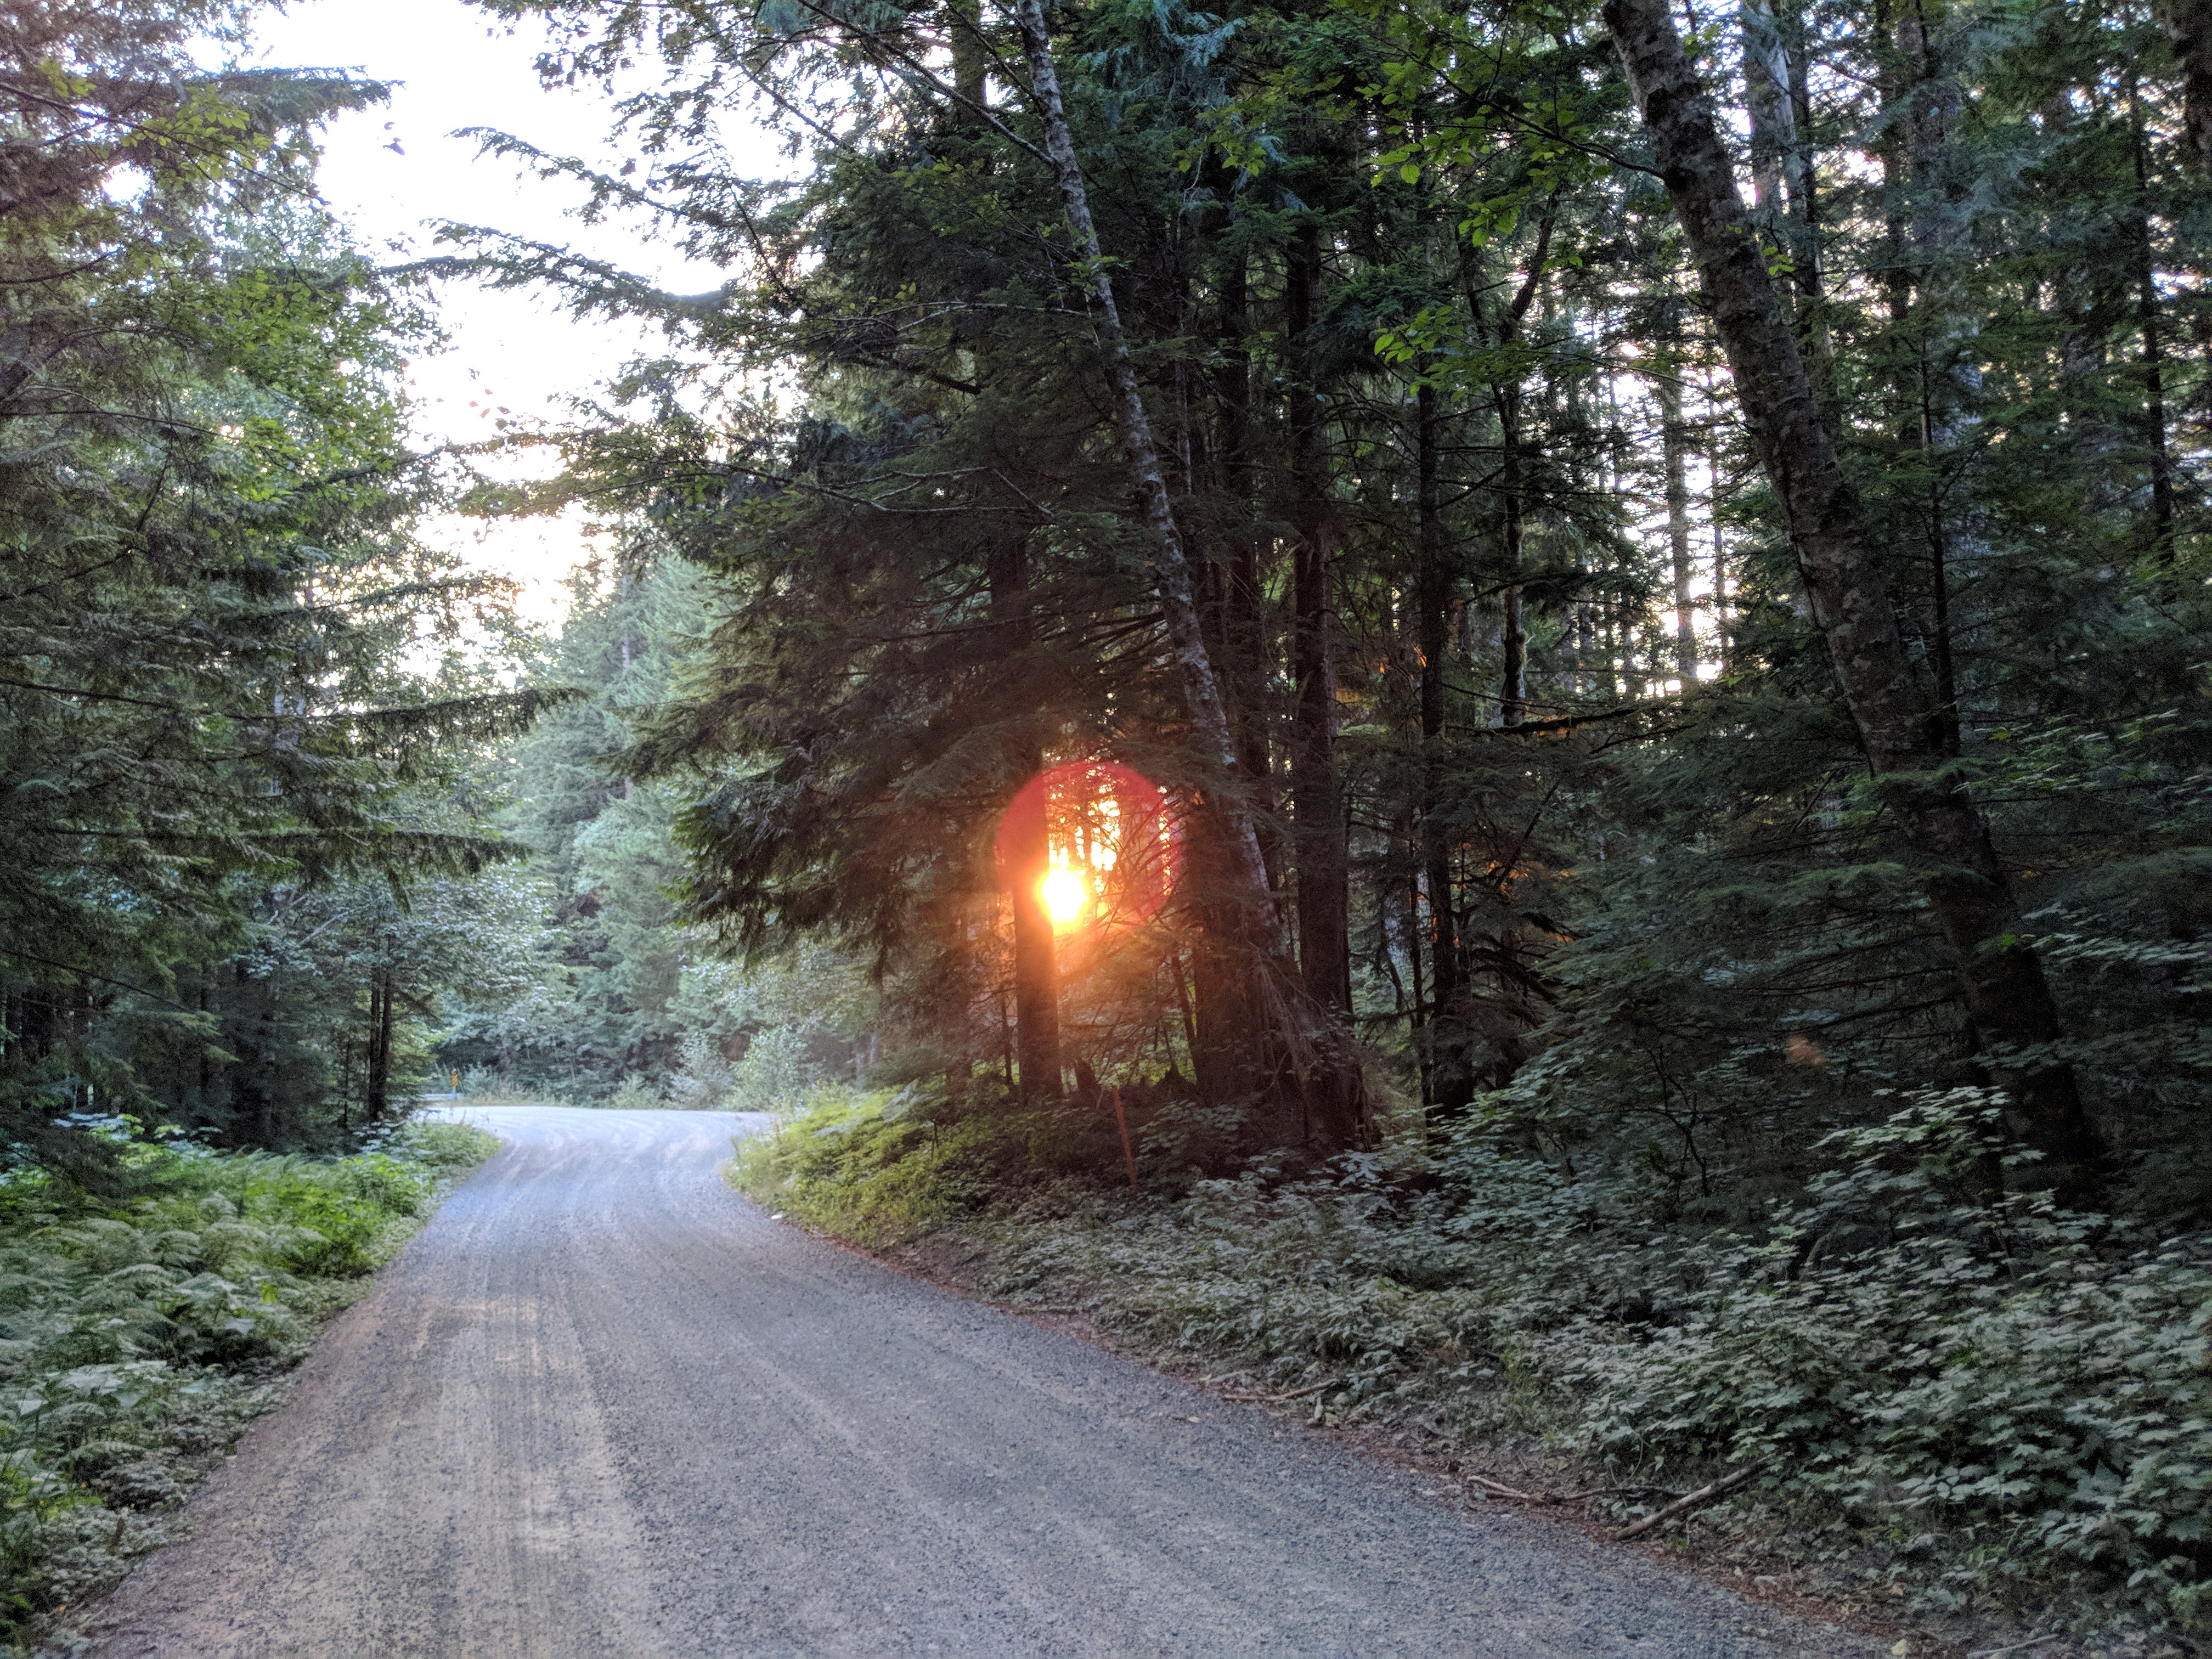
[(204, 543)]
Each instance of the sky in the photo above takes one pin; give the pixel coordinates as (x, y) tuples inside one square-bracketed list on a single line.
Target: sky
[(393, 171)]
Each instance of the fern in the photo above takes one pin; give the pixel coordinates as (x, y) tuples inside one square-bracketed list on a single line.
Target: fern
[(139, 1341)]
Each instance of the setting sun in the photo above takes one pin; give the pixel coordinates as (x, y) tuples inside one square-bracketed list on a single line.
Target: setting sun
[(1065, 895)]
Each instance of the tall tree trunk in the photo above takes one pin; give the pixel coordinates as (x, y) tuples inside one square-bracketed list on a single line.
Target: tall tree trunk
[(1035, 1065), (971, 63), (2001, 980), (1244, 661), (1674, 445), (1224, 972), (1720, 535), (1513, 639), (1424, 1056), (1512, 634), (1801, 168), (1766, 101), (1778, 98), (1202, 701), (1023, 835), (1450, 1083), (2189, 27), (1945, 718), (1324, 890), (380, 1044), (2154, 350), (1925, 297)]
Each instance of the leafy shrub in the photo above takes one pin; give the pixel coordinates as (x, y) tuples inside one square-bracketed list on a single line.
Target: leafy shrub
[(636, 1094), (778, 1072), (137, 1339), (867, 1166), (701, 1080)]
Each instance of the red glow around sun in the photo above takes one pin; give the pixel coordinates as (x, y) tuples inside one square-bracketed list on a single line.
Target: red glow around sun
[(1115, 849)]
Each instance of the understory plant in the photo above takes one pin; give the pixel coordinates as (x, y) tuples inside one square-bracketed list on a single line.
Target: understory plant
[(140, 1335), (1918, 1349)]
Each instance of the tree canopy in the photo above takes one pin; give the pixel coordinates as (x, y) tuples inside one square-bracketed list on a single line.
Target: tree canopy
[(231, 674), (1703, 610)]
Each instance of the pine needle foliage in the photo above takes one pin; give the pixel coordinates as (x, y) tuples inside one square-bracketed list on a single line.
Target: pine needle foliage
[(211, 586), (1540, 712)]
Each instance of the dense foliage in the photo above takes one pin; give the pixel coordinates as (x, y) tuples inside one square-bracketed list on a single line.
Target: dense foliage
[(236, 694), (588, 988), (1960, 1408), (1660, 580), (140, 1335), (1559, 792), (1675, 643)]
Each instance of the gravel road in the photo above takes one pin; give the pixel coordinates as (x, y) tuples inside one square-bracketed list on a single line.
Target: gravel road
[(603, 1406)]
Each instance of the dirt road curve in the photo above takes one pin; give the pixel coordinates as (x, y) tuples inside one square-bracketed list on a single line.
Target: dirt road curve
[(602, 1406)]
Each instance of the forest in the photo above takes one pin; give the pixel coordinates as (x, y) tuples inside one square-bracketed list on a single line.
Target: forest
[(1503, 708)]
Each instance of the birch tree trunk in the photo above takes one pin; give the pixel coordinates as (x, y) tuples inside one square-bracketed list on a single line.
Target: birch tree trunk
[(1332, 1105), (2001, 980), (1201, 690)]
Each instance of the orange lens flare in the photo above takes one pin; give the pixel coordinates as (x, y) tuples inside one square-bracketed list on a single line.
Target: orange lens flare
[(1065, 895), (1095, 842)]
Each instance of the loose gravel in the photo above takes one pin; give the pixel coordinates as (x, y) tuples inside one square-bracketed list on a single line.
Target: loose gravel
[(603, 1405)]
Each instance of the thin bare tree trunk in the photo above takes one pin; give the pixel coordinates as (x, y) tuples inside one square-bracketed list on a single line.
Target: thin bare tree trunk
[(1242, 885), (1711, 408), (379, 1043), (1244, 654), (1513, 638), (1029, 857), (2001, 979), (1449, 1085), (1674, 445), (1202, 701), (2153, 351)]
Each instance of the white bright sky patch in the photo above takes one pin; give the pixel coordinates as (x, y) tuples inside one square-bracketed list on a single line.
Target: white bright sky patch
[(393, 171)]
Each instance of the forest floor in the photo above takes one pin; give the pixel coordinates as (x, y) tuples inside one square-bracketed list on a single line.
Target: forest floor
[(602, 1404)]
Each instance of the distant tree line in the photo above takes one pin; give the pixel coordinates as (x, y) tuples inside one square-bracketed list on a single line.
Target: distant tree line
[(240, 699)]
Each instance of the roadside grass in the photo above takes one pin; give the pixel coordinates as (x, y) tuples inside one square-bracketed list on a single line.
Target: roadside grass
[(1979, 1416), (863, 1167), (141, 1336)]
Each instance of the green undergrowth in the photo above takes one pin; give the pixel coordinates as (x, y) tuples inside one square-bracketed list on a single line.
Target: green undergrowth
[(1960, 1406), (140, 1336), (873, 1168)]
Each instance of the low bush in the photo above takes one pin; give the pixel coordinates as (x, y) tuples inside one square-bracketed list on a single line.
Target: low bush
[(875, 1168), (139, 1337)]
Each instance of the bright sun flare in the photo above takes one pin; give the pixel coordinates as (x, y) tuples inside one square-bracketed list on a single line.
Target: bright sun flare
[(1065, 895)]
